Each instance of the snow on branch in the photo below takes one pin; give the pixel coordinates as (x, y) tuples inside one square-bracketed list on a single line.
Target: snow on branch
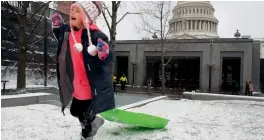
[(45, 4)]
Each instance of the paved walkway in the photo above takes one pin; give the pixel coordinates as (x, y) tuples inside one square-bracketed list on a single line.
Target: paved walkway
[(121, 98)]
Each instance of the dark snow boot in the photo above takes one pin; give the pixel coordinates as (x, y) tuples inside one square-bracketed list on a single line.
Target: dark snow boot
[(88, 138), (96, 124)]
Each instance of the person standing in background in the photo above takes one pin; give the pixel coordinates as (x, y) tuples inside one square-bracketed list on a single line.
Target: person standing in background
[(247, 89), (123, 81), (234, 88), (114, 83), (251, 88), (149, 82)]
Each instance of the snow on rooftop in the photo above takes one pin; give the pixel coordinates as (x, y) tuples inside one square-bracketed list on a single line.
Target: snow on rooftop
[(203, 120)]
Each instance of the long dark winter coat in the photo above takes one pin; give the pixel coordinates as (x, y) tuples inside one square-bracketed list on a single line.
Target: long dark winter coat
[(98, 72)]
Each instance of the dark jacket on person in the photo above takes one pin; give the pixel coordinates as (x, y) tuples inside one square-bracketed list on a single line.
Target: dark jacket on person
[(97, 71)]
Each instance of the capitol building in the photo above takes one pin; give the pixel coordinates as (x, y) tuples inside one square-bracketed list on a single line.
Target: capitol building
[(192, 20)]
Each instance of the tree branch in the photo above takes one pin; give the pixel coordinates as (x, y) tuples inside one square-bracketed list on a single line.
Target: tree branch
[(14, 10), (15, 13), (30, 45), (165, 23), (171, 47), (145, 23), (37, 23), (155, 49), (22, 5), (107, 23), (106, 8), (172, 51), (124, 16), (118, 4), (39, 9), (168, 61)]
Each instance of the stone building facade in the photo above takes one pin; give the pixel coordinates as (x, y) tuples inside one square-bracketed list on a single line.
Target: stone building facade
[(246, 51)]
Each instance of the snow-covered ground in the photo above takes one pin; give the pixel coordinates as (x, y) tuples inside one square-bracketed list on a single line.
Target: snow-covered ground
[(12, 85), (189, 120)]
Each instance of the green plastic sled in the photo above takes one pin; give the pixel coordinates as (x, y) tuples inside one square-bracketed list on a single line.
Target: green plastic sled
[(137, 119)]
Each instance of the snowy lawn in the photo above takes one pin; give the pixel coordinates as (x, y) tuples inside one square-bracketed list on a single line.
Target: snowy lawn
[(189, 120)]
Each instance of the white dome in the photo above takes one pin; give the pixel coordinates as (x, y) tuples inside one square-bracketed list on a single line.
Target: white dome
[(193, 19)]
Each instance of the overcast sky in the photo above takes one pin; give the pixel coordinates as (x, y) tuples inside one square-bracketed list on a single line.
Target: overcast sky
[(246, 16)]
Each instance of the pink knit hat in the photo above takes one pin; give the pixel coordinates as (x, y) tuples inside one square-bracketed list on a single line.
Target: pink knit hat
[(90, 10)]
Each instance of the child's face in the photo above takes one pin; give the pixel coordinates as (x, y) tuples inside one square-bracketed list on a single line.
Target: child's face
[(75, 17)]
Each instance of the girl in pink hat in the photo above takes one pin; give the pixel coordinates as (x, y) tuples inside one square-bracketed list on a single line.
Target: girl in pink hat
[(83, 56)]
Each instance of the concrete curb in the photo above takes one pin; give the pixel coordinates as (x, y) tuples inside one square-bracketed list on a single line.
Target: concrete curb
[(211, 96), (27, 99), (142, 103), (52, 99), (51, 102)]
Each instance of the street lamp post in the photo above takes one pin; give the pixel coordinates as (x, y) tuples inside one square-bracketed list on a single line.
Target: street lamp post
[(133, 78), (210, 64), (45, 53)]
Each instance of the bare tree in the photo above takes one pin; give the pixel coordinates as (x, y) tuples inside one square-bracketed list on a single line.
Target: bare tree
[(23, 16), (112, 14), (155, 16)]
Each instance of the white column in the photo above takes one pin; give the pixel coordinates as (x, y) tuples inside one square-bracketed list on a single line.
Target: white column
[(180, 25), (208, 26), (187, 21), (191, 26), (216, 27), (200, 26), (195, 25), (175, 26), (203, 25), (183, 28), (178, 29), (212, 27), (211, 23)]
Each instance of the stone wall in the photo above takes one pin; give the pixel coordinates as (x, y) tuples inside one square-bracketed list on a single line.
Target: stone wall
[(243, 48)]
